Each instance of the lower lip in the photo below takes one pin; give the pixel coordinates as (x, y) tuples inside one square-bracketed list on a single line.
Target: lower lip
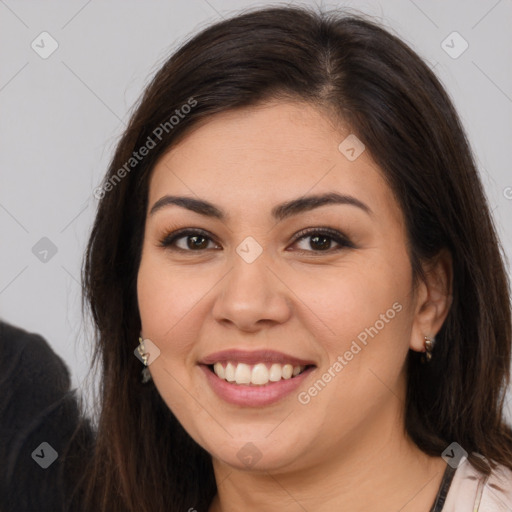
[(254, 396)]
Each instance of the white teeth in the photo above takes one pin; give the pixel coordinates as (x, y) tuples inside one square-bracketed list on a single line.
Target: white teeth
[(219, 370), (287, 371), (275, 372), (258, 375), (230, 373), (243, 374)]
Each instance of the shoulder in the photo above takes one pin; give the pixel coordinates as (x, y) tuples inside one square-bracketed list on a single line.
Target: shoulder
[(497, 491), (473, 491), (25, 353), (42, 434), (32, 378)]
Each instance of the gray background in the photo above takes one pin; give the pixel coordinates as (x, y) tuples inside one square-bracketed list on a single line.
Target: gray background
[(61, 117)]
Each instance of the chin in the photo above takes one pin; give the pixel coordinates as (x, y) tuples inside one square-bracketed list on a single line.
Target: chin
[(256, 456)]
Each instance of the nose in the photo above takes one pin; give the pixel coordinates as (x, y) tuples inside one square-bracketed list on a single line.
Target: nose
[(252, 296)]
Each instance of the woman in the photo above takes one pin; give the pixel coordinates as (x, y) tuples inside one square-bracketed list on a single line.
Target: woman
[(294, 229)]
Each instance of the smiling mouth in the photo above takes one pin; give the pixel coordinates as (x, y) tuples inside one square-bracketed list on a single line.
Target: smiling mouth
[(258, 374)]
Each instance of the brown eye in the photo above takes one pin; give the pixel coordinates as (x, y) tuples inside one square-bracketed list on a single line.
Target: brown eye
[(194, 240), (320, 240)]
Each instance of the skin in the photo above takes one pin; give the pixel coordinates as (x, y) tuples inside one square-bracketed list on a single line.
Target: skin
[(347, 448)]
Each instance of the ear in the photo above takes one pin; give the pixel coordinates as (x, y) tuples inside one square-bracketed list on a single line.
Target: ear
[(433, 299)]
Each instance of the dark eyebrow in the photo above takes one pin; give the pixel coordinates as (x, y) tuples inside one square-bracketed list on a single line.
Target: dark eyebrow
[(279, 212)]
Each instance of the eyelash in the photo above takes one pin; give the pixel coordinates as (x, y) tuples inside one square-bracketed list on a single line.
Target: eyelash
[(169, 239)]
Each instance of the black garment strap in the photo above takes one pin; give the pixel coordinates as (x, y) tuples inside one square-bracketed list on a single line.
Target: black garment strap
[(443, 489)]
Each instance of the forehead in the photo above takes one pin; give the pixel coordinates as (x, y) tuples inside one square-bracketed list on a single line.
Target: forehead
[(265, 154)]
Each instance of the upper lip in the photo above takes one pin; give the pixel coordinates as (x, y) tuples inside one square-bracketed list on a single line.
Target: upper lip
[(254, 357)]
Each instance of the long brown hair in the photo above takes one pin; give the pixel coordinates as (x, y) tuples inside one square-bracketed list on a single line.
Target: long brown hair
[(374, 83)]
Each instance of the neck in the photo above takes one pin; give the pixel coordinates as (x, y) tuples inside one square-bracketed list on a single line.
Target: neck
[(378, 469)]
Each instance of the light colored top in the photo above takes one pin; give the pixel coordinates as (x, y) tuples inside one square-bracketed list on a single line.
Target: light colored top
[(472, 491)]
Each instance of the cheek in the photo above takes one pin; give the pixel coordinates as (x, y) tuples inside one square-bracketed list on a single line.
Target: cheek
[(162, 303), (167, 300), (173, 303), (366, 323), (357, 296)]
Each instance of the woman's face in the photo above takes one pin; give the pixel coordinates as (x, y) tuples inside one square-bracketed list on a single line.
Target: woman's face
[(246, 291)]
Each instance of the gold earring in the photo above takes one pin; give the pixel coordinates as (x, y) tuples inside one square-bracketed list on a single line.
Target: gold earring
[(146, 375), (429, 347)]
